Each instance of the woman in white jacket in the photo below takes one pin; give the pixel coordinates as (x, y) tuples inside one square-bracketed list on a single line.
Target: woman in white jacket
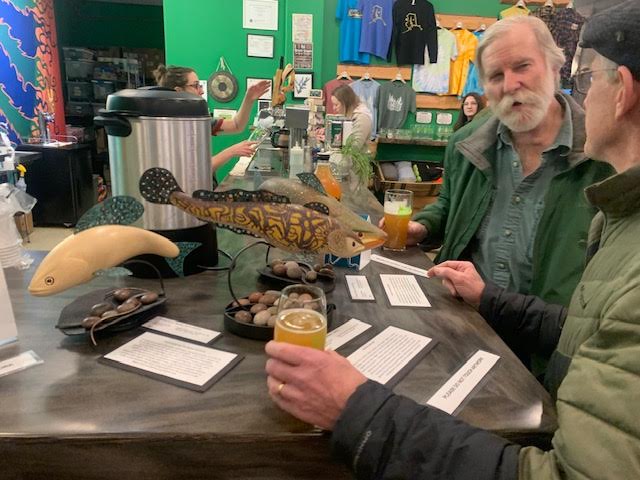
[(346, 102)]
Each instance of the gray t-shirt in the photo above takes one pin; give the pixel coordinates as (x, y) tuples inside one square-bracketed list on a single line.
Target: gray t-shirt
[(395, 101)]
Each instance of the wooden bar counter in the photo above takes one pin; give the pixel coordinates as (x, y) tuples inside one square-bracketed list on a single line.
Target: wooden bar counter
[(75, 418)]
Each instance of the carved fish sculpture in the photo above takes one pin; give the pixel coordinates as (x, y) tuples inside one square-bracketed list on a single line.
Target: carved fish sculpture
[(77, 258), (291, 227)]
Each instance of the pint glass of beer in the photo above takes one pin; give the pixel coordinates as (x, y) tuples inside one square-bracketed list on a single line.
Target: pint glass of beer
[(302, 316), (397, 213)]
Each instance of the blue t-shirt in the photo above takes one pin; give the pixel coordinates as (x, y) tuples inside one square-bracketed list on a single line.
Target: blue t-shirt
[(350, 17), (473, 80), (377, 24)]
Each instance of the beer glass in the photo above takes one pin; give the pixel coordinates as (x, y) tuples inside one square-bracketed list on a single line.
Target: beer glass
[(397, 213), (302, 316)]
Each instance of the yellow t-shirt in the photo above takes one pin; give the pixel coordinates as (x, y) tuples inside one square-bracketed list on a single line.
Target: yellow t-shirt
[(514, 12), (467, 44)]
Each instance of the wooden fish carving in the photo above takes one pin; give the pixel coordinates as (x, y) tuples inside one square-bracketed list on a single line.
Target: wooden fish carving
[(78, 257), (291, 227)]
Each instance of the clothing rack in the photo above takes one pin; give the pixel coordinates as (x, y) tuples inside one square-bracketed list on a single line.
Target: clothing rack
[(469, 22)]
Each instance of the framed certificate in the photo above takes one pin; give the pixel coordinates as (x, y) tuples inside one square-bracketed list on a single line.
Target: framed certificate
[(260, 46)]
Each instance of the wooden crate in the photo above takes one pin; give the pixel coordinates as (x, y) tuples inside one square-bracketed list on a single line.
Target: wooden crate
[(424, 193)]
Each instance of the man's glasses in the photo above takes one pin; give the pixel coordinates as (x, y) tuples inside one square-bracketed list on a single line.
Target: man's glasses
[(582, 81)]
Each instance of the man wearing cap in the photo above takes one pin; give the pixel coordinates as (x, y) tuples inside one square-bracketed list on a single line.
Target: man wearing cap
[(383, 435)]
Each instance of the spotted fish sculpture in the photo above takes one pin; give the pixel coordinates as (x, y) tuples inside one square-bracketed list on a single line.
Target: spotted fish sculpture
[(307, 192), (289, 226)]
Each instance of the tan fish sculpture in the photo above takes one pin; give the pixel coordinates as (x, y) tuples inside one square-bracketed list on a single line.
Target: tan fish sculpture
[(77, 258), (291, 227)]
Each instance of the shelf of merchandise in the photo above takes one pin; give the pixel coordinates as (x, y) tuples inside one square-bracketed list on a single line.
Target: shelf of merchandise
[(376, 72), (437, 102), (424, 142), (470, 22), (537, 3)]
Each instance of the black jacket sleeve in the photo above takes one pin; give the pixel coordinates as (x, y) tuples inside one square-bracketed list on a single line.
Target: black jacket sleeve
[(525, 322), (381, 435), (431, 33)]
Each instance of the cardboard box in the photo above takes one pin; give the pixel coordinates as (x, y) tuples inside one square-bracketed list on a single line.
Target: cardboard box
[(24, 222)]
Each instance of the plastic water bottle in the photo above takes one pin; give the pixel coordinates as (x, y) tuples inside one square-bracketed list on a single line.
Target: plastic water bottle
[(296, 161), (21, 184)]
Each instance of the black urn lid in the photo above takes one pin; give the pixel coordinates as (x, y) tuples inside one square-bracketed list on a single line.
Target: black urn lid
[(157, 102)]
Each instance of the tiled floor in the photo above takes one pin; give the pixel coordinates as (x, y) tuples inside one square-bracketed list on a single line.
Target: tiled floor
[(45, 238)]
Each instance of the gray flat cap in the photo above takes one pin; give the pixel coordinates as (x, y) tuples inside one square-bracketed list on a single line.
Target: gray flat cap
[(614, 34)]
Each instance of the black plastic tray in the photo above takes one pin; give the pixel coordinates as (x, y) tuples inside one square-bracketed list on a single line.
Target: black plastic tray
[(258, 332)]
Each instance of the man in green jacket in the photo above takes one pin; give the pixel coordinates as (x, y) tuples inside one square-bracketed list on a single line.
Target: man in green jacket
[(382, 435), (511, 200)]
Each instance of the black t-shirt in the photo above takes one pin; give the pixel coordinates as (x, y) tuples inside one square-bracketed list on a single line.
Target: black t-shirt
[(414, 27)]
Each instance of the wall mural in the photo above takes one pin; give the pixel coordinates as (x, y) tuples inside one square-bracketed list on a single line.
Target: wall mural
[(30, 79)]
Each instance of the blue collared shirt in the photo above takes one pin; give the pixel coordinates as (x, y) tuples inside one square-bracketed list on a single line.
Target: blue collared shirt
[(505, 239)]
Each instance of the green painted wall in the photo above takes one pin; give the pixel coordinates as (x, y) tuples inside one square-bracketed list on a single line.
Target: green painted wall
[(82, 23), (198, 32), (199, 35)]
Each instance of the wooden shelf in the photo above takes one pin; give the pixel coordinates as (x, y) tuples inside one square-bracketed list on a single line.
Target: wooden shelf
[(425, 142), (377, 72), (470, 22), (437, 102), (537, 3)]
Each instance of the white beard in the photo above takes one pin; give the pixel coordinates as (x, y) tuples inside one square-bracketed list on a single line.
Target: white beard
[(536, 107)]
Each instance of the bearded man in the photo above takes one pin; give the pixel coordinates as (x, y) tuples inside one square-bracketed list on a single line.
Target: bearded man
[(512, 198)]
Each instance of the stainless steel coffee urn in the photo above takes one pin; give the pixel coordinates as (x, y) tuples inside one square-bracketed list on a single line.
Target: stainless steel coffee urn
[(158, 127)]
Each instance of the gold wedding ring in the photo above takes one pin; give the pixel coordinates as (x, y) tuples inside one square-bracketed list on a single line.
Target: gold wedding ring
[(280, 387)]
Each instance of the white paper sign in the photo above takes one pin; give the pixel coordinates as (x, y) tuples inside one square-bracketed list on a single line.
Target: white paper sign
[(19, 363), (172, 358), (382, 357), (224, 113), (180, 329), (424, 117), (8, 330), (260, 46), (359, 288), (399, 265), (345, 333), (444, 118), (449, 397), (404, 291), (302, 26), (260, 14)]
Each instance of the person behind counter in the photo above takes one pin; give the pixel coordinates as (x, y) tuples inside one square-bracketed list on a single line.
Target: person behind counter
[(472, 104), (383, 435), (185, 79), (345, 102)]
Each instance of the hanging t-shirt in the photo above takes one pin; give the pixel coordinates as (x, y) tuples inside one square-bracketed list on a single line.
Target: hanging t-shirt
[(566, 25), (368, 91), (328, 89), (377, 25), (350, 16), (473, 81), (514, 12), (434, 77), (546, 14), (467, 44), (395, 102), (414, 25)]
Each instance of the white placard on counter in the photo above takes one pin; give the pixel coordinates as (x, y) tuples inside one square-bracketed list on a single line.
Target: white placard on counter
[(422, 272), (404, 291), (181, 363), (19, 363), (8, 330), (359, 287), (180, 329), (389, 354), (345, 333), (449, 397)]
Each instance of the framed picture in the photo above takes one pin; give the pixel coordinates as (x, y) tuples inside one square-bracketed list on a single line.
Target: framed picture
[(260, 46), (252, 81), (303, 85), (264, 104)]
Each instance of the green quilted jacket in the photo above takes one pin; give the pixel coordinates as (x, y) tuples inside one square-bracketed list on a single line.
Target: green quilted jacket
[(559, 246), (598, 399)]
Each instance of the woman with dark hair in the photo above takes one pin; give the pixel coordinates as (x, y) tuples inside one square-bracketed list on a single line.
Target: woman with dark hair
[(185, 79), (346, 102), (472, 103)]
